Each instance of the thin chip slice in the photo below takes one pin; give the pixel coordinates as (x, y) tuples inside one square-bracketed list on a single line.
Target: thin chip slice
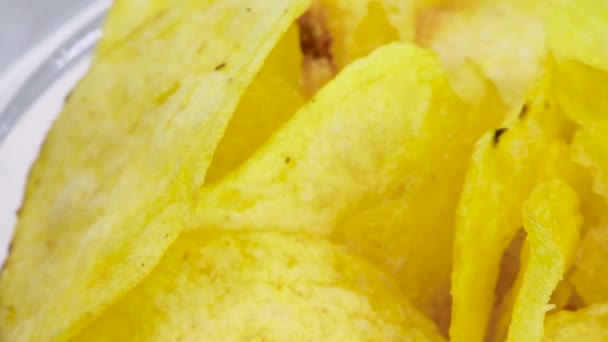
[(552, 221), (116, 175), (507, 163), (350, 146), (589, 324), (264, 287), (589, 276)]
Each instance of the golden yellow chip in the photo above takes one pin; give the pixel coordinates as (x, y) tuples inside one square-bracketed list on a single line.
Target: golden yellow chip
[(507, 163), (589, 324), (263, 287), (589, 277), (552, 221), (116, 175)]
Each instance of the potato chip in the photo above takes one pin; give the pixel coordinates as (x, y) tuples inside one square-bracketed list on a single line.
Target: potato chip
[(116, 175), (552, 221), (351, 145), (589, 324), (265, 287), (507, 163), (504, 38), (589, 276), (336, 159), (576, 35)]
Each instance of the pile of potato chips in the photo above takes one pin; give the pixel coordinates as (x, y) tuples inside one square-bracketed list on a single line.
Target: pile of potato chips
[(282, 170)]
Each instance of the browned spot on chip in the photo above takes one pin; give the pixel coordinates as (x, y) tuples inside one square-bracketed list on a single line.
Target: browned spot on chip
[(318, 65)]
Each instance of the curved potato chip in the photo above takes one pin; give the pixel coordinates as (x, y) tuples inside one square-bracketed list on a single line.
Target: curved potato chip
[(267, 287), (351, 145), (589, 324), (589, 277), (552, 220), (504, 38), (506, 164), (137, 133)]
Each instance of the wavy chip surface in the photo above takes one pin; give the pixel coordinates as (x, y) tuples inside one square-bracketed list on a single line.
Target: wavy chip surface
[(116, 175)]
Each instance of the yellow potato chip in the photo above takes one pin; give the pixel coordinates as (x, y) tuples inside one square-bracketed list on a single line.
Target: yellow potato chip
[(351, 145), (589, 277), (116, 176), (589, 324), (504, 38), (591, 151), (264, 287), (359, 148), (507, 163), (552, 221)]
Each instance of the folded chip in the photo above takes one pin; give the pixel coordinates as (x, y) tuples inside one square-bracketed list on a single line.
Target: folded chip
[(589, 324), (552, 222), (506, 164), (263, 287), (117, 174)]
